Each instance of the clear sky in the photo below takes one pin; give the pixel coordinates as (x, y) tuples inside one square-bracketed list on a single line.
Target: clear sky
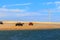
[(30, 10)]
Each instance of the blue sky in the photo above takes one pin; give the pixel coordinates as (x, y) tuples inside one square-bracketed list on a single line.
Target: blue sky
[(30, 10)]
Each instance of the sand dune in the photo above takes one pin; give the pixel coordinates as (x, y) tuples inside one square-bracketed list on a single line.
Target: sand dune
[(11, 25)]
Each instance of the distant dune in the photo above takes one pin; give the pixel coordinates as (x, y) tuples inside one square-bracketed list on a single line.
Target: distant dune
[(11, 25)]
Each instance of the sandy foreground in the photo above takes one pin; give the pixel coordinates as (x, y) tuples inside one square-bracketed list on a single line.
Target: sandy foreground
[(11, 25)]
